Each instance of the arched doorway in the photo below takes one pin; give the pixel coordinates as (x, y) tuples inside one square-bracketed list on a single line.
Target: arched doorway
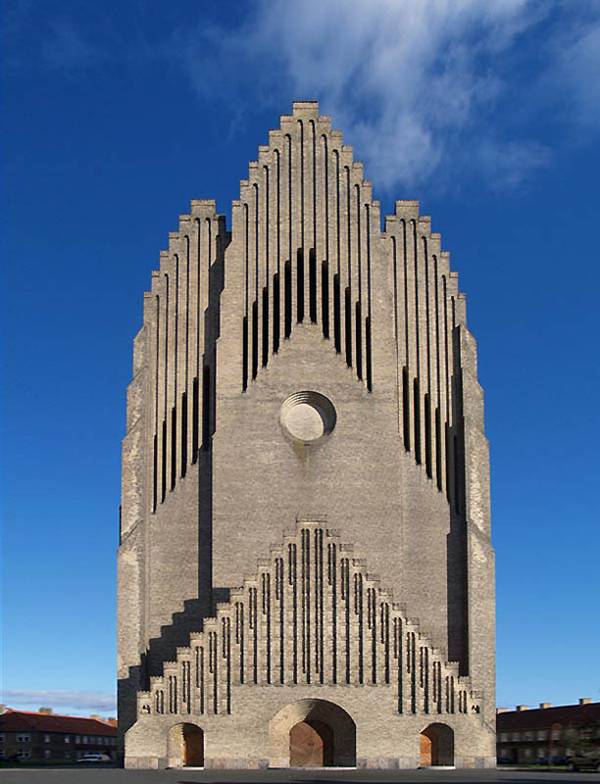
[(436, 746), (311, 744), (185, 746), (312, 734)]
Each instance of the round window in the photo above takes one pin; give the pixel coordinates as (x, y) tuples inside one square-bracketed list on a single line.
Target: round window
[(307, 417)]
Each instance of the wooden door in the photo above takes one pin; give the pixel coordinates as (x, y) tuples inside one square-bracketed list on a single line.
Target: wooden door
[(306, 747), (193, 747), (426, 750)]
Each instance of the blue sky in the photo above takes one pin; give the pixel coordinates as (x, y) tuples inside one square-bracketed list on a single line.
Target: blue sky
[(116, 115)]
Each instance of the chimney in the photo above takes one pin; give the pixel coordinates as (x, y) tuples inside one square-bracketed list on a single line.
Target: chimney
[(45, 711), (544, 705), (502, 710), (521, 708), (585, 700)]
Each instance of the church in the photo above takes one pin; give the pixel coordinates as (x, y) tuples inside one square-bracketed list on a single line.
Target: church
[(305, 572)]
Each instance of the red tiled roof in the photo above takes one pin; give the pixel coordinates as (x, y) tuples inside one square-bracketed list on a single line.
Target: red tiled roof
[(18, 721), (544, 718)]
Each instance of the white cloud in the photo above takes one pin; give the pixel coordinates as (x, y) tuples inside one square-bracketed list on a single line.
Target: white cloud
[(408, 81), (86, 701)]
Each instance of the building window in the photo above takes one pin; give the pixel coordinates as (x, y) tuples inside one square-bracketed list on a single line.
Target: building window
[(67, 738), (46, 738), (78, 739), (541, 752), (67, 755), (542, 734), (504, 737), (528, 736), (23, 738), (47, 753), (515, 736), (85, 738), (527, 752), (22, 754)]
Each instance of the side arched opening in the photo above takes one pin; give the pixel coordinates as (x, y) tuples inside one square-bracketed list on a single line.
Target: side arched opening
[(186, 746), (436, 746)]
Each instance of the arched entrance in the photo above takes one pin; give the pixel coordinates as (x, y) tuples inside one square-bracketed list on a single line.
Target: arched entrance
[(311, 744), (185, 746), (436, 746), (312, 734)]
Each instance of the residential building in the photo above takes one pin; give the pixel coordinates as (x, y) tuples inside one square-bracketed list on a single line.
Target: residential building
[(546, 734), (44, 737)]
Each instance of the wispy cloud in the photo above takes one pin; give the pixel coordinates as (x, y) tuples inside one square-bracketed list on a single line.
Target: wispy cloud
[(423, 88), (87, 701)]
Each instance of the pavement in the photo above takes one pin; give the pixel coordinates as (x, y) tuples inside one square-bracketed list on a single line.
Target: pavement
[(192, 776)]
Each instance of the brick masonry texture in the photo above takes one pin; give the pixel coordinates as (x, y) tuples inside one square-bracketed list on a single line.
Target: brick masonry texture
[(267, 577)]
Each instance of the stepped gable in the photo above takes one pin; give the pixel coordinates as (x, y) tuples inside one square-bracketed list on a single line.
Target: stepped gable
[(311, 614)]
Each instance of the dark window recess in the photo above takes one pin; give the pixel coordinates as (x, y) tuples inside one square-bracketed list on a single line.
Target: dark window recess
[(456, 476), (358, 339), (406, 408), (449, 463), (254, 339), (348, 325), (287, 296), (195, 419), (244, 354), (163, 491), (325, 298), (155, 483), (265, 326), (300, 285), (369, 355), (312, 285), (184, 434), (173, 447), (337, 321), (417, 413), (438, 448), (206, 405), (276, 312), (428, 450)]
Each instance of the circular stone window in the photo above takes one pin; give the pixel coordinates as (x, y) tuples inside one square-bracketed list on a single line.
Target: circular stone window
[(307, 417)]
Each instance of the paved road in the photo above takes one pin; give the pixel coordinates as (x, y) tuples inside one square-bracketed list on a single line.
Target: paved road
[(190, 776)]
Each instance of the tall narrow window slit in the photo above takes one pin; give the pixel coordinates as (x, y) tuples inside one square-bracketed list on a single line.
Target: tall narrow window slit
[(417, 415), (265, 323), (288, 299), (195, 415), (244, 354), (254, 339), (358, 329), (348, 325), (184, 434), (206, 407), (312, 281), (428, 445), (276, 312), (369, 355), (438, 449), (325, 298), (406, 408), (337, 326), (300, 285), (173, 447), (155, 472)]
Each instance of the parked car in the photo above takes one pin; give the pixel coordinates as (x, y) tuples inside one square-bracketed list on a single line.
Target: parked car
[(585, 762), (93, 756)]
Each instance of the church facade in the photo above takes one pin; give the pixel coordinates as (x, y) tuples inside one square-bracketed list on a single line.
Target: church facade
[(305, 573)]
